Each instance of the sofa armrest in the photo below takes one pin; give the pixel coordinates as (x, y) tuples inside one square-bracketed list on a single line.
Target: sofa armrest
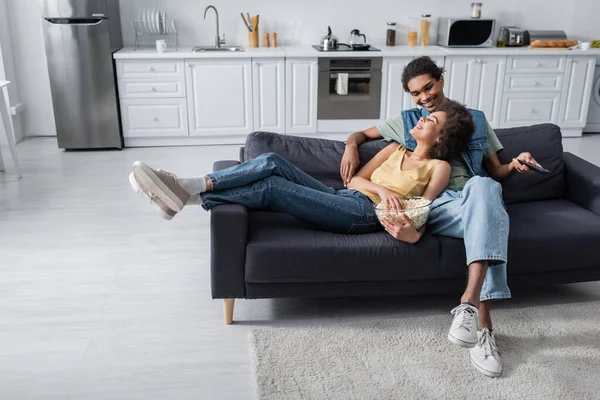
[(228, 239), (583, 182)]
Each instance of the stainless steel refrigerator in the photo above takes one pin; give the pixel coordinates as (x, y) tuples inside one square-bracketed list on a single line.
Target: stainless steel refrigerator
[(81, 37)]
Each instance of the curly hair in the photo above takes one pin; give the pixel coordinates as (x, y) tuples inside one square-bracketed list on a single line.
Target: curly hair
[(420, 66), (456, 132)]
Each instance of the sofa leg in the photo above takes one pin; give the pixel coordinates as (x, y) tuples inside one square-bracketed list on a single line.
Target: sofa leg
[(228, 310)]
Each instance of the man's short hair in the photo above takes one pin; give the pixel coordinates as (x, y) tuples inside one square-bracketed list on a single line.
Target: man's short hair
[(420, 66)]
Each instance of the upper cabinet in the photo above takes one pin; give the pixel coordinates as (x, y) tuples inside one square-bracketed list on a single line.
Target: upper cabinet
[(477, 82), (219, 97), (268, 92), (301, 95)]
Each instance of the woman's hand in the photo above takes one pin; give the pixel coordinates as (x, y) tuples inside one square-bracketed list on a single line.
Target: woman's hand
[(401, 229), (349, 163), (391, 200), (520, 168)]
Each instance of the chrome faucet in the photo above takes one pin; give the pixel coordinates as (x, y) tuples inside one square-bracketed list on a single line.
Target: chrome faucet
[(218, 40)]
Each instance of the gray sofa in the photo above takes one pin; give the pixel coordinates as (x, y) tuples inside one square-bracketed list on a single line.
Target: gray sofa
[(554, 232)]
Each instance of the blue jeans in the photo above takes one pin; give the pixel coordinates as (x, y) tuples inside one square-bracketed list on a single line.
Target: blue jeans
[(477, 215), (270, 182)]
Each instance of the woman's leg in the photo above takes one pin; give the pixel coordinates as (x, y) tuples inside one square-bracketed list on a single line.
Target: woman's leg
[(170, 193), (261, 167), (344, 211)]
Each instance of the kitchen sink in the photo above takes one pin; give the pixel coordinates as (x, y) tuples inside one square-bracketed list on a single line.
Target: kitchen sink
[(212, 48)]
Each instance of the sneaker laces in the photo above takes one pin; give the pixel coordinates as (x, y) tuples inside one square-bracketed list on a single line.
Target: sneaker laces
[(464, 315), (487, 343)]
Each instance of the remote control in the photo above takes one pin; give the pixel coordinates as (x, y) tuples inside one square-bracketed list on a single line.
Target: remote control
[(534, 167)]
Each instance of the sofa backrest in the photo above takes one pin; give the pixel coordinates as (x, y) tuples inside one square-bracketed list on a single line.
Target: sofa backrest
[(320, 158), (544, 142)]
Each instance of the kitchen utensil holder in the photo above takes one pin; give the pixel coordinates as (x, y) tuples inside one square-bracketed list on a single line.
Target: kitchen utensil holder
[(147, 38), (253, 39)]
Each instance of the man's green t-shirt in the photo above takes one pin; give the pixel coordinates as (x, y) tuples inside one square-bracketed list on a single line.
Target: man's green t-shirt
[(393, 129)]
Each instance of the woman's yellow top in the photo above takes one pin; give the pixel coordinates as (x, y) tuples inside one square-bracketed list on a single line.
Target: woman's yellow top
[(405, 183)]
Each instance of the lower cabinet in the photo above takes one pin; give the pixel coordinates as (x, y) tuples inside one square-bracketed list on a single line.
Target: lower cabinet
[(219, 97), (268, 94), (301, 95), (154, 117), (522, 109)]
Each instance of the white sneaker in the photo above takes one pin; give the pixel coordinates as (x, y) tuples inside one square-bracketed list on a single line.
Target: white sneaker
[(485, 355), (463, 331)]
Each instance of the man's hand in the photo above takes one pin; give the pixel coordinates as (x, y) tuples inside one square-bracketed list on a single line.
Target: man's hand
[(391, 200), (350, 162), (520, 168), (401, 229)]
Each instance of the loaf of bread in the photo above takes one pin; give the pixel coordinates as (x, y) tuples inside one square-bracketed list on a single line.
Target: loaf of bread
[(554, 43)]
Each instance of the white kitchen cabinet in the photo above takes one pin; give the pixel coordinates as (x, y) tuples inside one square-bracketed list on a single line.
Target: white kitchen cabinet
[(154, 117), (393, 97), (301, 95), (477, 82), (523, 109), (219, 95), (576, 93), (268, 89)]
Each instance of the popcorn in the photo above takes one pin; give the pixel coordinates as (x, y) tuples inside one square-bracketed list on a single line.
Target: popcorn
[(416, 209)]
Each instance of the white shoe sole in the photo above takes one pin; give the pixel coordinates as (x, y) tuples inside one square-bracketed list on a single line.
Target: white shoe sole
[(461, 343), (144, 174), (143, 195), (485, 371)]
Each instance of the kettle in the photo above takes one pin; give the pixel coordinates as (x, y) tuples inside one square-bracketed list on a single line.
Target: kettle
[(355, 38), (329, 42)]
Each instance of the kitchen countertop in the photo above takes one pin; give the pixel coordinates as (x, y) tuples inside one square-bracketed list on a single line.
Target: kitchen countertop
[(309, 51)]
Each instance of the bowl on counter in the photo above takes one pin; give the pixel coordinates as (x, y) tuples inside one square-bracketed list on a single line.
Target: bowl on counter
[(416, 208)]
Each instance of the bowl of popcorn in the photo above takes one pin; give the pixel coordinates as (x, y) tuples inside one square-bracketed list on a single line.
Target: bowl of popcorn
[(415, 208)]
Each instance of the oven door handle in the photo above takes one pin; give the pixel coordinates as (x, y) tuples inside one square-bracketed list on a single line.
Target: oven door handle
[(367, 75)]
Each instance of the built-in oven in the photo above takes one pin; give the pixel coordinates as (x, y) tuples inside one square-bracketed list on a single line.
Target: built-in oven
[(349, 88)]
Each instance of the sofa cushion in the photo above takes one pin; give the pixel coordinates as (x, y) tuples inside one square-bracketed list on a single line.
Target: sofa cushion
[(544, 142), (282, 248), (320, 158), (551, 236)]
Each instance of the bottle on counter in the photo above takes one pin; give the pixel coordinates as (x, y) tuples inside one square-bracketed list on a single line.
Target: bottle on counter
[(413, 31), (390, 34), (475, 10), (425, 24)]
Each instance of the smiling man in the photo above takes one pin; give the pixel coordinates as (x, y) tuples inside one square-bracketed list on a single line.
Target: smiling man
[(470, 208)]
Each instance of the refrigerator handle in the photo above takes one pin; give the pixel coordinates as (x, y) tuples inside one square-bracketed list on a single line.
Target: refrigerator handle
[(76, 21)]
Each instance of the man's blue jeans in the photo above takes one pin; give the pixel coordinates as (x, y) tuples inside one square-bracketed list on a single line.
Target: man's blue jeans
[(477, 215), (270, 182)]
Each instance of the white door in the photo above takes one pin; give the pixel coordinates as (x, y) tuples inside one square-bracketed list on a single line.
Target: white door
[(268, 94), (478, 83), (394, 99), (219, 97), (301, 95), (577, 90)]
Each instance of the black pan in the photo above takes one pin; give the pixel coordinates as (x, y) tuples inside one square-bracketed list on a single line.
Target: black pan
[(356, 46)]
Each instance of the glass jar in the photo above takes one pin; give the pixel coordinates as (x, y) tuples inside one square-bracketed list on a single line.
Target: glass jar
[(390, 37), (425, 24), (413, 31), (475, 10)]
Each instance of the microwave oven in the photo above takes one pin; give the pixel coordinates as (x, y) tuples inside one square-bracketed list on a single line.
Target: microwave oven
[(456, 32)]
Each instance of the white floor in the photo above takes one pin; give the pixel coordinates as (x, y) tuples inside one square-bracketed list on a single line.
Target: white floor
[(102, 299)]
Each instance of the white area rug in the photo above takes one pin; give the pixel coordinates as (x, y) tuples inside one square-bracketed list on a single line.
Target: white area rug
[(549, 352)]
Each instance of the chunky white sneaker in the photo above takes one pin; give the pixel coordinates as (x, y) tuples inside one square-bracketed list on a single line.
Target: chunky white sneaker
[(463, 331), (161, 208), (485, 355), (158, 184)]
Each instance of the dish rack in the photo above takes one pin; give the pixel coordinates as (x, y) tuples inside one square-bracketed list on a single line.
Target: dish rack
[(146, 34)]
